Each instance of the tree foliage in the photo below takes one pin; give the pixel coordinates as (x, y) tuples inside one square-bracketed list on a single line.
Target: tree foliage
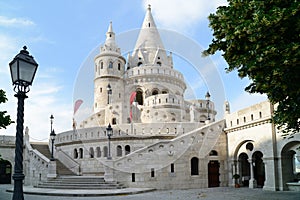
[(4, 119), (261, 40)]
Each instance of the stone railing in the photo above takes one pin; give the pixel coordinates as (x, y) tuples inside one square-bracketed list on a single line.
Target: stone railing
[(153, 70), (39, 164), (142, 129), (150, 157), (68, 161)]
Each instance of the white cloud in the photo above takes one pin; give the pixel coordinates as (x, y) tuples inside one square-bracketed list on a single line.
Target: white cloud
[(8, 48), (15, 22), (180, 14)]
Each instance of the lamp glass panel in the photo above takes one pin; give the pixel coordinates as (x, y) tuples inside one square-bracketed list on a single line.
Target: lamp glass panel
[(27, 71), (14, 71)]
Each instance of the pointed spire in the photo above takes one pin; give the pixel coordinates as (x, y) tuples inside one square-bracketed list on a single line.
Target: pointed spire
[(110, 35), (149, 43), (110, 42), (110, 29)]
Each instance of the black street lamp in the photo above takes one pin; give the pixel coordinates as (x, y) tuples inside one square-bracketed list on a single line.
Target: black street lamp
[(109, 92), (207, 97), (51, 122), (22, 68), (52, 137), (109, 131)]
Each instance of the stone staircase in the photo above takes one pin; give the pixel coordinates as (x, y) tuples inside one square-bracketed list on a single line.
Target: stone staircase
[(61, 169), (68, 180), (80, 182)]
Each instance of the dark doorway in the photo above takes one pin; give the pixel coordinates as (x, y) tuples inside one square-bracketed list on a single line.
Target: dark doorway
[(244, 167), (139, 97), (213, 174), (259, 169), (5, 172)]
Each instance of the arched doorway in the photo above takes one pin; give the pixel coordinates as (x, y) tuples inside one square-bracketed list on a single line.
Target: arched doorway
[(258, 168), (5, 172), (290, 164), (139, 97), (119, 151), (244, 169), (127, 149), (213, 173), (105, 151)]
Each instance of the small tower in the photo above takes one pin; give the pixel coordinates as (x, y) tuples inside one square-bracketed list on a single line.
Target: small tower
[(109, 71), (226, 108)]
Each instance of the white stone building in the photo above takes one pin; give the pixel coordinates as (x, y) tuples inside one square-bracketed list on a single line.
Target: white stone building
[(160, 139)]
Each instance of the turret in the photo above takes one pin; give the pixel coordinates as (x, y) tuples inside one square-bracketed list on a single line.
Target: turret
[(109, 71)]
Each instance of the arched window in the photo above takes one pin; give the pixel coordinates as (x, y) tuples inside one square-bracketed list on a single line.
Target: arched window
[(139, 64), (91, 152), (119, 151), (110, 65), (127, 149), (159, 63), (154, 92), (98, 152), (105, 151), (213, 153), (260, 115), (139, 97), (114, 121), (80, 153), (101, 65), (119, 66), (194, 166), (75, 153)]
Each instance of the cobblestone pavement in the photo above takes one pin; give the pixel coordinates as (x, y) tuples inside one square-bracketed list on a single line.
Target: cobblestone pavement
[(223, 193)]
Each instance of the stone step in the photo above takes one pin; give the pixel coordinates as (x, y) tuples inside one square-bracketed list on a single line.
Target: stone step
[(87, 187), (79, 182)]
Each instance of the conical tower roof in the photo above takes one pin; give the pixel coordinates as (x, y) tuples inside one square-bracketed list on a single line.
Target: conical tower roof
[(149, 47)]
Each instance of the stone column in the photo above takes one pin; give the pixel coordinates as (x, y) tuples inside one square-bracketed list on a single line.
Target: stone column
[(109, 171), (234, 171), (52, 169), (252, 181)]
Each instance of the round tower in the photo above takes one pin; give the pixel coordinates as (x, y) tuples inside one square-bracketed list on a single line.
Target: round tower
[(109, 71)]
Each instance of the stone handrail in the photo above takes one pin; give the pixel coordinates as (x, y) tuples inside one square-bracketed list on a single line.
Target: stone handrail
[(143, 160), (68, 161)]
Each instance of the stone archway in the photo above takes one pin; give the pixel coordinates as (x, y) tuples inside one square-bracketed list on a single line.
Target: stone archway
[(258, 169), (288, 168), (244, 169), (5, 172)]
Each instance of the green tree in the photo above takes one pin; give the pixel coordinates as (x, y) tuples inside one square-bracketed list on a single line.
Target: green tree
[(4, 119), (261, 40)]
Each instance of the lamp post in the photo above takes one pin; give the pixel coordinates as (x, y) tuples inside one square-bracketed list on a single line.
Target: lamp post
[(207, 97), (109, 92), (51, 122), (109, 131), (52, 137), (22, 68)]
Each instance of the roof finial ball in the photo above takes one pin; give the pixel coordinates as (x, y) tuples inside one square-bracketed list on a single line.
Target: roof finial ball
[(149, 7)]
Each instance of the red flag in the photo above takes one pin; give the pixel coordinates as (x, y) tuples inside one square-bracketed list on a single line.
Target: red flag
[(77, 105), (132, 97)]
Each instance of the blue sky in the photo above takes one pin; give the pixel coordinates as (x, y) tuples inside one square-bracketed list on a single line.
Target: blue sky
[(61, 34)]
